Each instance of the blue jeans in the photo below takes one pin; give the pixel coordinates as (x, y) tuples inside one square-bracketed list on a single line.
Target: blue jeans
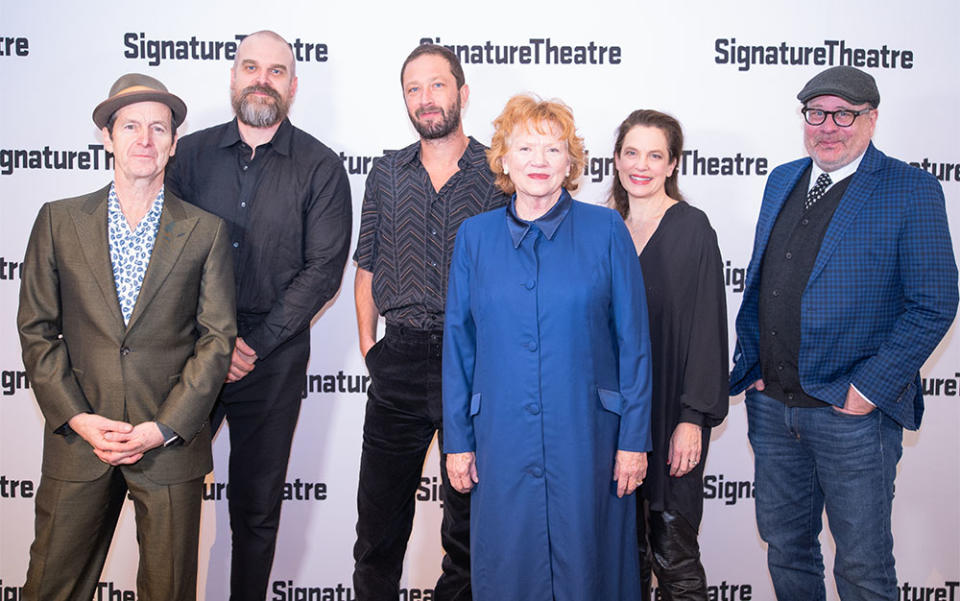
[(807, 459)]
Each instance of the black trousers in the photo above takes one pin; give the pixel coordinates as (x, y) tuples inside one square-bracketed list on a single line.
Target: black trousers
[(673, 552), (404, 409), (262, 411)]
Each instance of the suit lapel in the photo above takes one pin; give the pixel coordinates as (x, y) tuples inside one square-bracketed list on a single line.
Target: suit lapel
[(91, 224), (771, 208), (172, 235), (858, 192)]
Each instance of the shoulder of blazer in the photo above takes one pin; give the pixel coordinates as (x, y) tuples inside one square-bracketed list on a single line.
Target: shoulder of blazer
[(87, 203), (788, 173)]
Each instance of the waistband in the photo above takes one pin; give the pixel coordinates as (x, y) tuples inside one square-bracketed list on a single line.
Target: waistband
[(405, 334)]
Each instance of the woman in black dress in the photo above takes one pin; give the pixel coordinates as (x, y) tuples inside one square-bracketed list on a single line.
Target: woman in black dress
[(683, 274)]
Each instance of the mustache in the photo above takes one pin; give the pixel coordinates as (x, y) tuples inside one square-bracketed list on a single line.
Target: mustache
[(419, 112), (256, 88)]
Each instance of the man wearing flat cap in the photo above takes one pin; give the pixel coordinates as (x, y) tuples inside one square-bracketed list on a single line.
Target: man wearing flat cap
[(126, 323), (851, 285)]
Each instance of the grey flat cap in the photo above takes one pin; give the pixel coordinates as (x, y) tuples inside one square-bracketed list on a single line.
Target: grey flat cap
[(849, 83), (136, 87)]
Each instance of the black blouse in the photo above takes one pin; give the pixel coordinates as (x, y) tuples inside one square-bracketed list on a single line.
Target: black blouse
[(686, 301)]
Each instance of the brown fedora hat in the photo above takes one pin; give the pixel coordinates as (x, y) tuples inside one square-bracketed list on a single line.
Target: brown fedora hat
[(136, 87)]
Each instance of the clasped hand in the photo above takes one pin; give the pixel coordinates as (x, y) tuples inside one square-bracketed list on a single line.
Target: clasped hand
[(115, 442)]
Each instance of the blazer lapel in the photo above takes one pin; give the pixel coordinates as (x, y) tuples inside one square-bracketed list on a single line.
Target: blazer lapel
[(172, 235), (771, 209), (91, 224), (858, 192)]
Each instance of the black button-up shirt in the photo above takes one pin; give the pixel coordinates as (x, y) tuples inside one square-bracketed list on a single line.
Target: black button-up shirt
[(407, 230), (289, 213)]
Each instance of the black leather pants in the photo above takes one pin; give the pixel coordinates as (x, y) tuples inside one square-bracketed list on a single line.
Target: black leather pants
[(674, 555)]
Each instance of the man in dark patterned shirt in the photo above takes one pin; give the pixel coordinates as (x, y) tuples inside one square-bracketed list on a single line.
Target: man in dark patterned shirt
[(414, 202)]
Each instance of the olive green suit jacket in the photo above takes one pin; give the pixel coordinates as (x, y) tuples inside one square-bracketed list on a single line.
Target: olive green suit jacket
[(166, 365)]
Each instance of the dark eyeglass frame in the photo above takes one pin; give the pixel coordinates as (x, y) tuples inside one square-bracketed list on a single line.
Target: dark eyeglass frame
[(833, 115)]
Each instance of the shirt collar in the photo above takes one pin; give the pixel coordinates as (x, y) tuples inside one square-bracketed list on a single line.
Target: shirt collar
[(837, 175), (474, 155), (115, 212), (547, 223), (282, 140)]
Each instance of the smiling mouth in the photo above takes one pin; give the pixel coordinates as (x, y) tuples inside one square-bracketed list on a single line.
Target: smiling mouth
[(539, 176), (640, 179)]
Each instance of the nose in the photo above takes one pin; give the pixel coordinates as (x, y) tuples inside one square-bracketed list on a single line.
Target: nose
[(426, 96), (145, 138), (539, 156), (829, 125)]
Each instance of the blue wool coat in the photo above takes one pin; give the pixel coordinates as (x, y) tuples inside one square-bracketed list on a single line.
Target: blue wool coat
[(882, 293), (546, 373)]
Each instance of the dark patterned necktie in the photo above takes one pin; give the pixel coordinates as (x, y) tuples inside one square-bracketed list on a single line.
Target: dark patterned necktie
[(816, 192)]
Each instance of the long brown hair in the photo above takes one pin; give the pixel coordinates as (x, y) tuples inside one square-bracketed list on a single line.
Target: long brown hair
[(672, 131)]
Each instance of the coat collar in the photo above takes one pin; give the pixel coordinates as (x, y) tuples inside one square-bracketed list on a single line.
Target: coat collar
[(172, 235), (547, 223)]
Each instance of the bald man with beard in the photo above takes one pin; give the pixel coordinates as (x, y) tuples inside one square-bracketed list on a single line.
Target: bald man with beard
[(286, 200)]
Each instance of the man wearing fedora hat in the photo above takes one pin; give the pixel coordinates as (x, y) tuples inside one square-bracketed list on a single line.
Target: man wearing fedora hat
[(851, 286), (126, 323)]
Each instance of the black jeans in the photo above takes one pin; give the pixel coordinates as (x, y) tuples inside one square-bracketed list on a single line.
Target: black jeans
[(673, 553), (262, 411), (404, 409)]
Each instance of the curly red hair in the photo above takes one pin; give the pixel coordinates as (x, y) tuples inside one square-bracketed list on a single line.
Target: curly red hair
[(535, 115)]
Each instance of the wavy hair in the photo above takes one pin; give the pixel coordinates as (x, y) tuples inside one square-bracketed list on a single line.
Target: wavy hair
[(672, 131), (535, 115)]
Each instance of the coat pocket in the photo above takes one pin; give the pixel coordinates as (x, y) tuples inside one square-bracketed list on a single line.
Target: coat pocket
[(475, 404), (611, 400)]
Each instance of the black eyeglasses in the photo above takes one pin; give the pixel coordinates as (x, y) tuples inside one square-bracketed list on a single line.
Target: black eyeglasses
[(843, 117)]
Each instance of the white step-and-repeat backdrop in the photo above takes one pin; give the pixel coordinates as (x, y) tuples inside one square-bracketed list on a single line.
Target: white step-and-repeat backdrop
[(728, 70)]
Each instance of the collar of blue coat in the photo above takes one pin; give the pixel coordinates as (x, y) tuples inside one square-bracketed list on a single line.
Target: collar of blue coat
[(547, 223)]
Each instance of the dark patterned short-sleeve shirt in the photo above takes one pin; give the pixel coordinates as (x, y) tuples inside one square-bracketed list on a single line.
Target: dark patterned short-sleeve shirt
[(407, 230)]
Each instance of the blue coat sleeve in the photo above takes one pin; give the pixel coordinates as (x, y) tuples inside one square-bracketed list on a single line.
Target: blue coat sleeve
[(632, 328), (928, 286), (459, 352)]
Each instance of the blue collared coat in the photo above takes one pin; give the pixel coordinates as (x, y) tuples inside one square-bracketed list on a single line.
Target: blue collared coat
[(546, 373)]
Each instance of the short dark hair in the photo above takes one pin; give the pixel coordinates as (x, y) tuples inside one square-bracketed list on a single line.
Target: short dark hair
[(455, 67), (672, 131)]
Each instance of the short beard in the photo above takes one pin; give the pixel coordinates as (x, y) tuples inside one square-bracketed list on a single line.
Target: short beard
[(256, 113), (439, 129)]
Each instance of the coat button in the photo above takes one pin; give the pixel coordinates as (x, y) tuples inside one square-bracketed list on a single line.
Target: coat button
[(532, 346), (536, 472), (124, 351), (533, 409), (529, 284)]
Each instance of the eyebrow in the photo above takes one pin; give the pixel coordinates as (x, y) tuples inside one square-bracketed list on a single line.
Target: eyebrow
[(250, 61)]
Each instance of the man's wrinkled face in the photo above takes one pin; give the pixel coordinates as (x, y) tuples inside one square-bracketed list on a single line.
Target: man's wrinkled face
[(831, 146), (141, 141)]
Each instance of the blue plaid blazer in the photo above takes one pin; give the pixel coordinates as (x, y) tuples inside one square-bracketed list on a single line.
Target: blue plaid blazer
[(882, 293)]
